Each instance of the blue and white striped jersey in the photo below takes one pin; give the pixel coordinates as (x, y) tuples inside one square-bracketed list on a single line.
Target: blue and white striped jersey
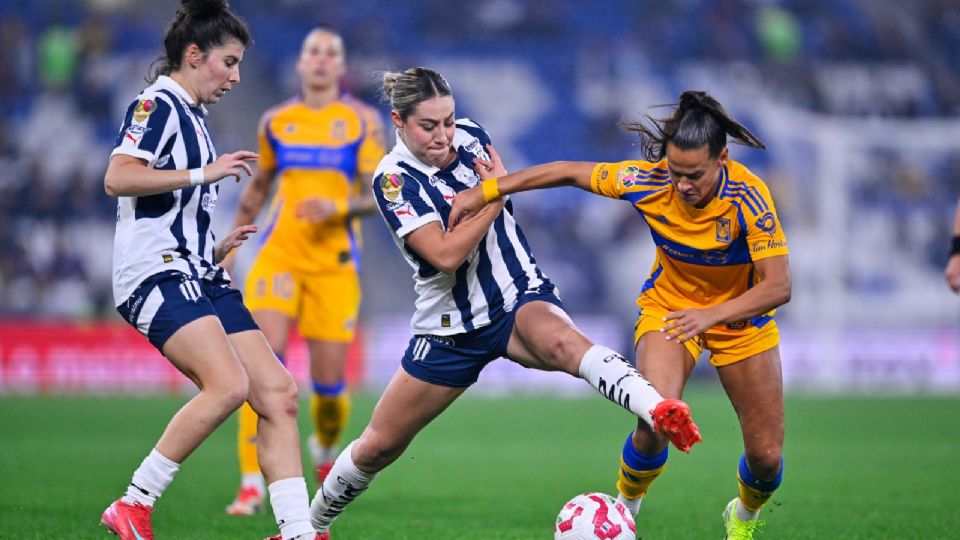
[(166, 231), (411, 194)]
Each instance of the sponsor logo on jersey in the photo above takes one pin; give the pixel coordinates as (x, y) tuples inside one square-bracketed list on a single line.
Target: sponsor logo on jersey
[(769, 244), (390, 185), (339, 130), (135, 132), (208, 202), (144, 109), (767, 223), (723, 230), (443, 340)]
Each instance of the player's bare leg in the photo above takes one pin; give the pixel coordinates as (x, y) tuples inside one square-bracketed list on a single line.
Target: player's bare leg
[(406, 407), (329, 402), (755, 388), (252, 492), (667, 365)]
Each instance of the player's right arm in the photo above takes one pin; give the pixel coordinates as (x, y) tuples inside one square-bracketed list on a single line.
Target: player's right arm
[(952, 273), (555, 174), (446, 250)]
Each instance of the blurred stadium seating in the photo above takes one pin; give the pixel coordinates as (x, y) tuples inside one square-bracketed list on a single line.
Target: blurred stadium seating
[(857, 100)]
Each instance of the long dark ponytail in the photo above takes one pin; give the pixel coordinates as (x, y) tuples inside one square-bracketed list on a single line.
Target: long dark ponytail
[(698, 119), (207, 23)]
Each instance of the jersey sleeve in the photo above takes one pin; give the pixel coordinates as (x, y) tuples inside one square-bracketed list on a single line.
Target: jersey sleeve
[(373, 147), (628, 180), (268, 158), (403, 203), (147, 128), (765, 235)]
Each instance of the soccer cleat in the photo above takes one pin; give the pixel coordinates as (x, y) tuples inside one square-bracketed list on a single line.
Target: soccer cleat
[(737, 529), (249, 501), (324, 536), (672, 418), (323, 470), (128, 521)]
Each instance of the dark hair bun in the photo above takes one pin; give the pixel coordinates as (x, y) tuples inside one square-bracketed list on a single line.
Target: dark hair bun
[(204, 8)]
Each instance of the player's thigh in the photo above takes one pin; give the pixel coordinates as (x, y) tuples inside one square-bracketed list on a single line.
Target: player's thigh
[(407, 405), (665, 363), (544, 337), (268, 378), (329, 306), (755, 388), (201, 351)]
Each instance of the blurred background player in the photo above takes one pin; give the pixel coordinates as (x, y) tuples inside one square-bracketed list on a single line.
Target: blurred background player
[(952, 273), (721, 270), (481, 294), (167, 282), (323, 147)]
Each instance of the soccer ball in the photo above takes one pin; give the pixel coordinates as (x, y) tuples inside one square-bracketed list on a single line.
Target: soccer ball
[(594, 516)]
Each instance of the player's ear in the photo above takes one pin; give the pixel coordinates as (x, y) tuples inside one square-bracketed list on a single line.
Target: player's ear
[(724, 154), (395, 117)]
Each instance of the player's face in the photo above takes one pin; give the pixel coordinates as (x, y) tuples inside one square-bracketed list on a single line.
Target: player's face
[(428, 132), (321, 62), (694, 173), (219, 71)]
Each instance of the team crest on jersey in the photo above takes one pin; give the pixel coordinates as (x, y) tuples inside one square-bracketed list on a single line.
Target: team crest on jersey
[(723, 230), (477, 150), (767, 223), (144, 109), (390, 185), (339, 130), (208, 202), (628, 176)]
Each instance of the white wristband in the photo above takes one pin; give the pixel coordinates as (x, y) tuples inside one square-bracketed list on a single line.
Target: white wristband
[(196, 176)]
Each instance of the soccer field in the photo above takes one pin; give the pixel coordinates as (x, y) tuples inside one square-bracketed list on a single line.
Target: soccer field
[(856, 468)]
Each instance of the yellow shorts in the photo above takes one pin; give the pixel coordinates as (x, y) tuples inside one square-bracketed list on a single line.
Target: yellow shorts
[(325, 305), (726, 345)]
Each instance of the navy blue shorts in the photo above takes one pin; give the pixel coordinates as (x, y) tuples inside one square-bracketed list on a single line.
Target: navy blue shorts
[(167, 301), (457, 360)]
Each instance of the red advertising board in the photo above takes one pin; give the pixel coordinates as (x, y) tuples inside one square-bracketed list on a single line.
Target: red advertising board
[(109, 358)]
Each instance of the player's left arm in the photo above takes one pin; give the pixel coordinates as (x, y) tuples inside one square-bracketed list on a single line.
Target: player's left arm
[(952, 272), (773, 290)]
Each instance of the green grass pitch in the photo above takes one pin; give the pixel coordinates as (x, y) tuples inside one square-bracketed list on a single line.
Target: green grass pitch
[(856, 468)]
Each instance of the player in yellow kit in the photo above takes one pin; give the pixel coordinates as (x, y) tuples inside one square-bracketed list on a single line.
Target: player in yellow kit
[(721, 270), (322, 147)]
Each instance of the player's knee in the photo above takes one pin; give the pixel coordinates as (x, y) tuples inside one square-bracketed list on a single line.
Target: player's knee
[(765, 462), (374, 452), (565, 349)]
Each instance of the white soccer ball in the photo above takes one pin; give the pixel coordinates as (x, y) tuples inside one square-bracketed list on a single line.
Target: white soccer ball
[(594, 516)]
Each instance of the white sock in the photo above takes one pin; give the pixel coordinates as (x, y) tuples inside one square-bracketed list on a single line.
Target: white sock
[(633, 505), (288, 497), (150, 479), (745, 514), (253, 480), (344, 484), (614, 377)]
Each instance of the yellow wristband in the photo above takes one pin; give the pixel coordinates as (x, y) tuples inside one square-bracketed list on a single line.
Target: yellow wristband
[(491, 191)]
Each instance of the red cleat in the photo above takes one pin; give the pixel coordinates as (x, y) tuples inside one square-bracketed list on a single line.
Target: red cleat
[(323, 470), (324, 536), (672, 418), (249, 501), (128, 521)]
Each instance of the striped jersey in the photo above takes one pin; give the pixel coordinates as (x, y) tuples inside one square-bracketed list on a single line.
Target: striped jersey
[(704, 255), (317, 153), (411, 194), (166, 231)]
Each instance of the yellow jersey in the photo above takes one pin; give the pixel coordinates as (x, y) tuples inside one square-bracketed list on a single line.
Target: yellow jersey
[(317, 153), (704, 255)]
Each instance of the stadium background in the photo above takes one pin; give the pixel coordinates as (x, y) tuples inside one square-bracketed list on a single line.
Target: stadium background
[(857, 100)]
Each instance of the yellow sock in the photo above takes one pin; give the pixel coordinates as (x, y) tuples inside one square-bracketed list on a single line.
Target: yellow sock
[(638, 471), (247, 440), (329, 413), (754, 493)]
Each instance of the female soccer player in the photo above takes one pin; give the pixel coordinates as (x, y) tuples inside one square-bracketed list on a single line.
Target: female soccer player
[(952, 271), (481, 295), (721, 269), (322, 146), (166, 280)]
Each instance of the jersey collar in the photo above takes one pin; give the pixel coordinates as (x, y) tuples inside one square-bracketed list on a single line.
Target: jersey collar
[(460, 138), (167, 83)]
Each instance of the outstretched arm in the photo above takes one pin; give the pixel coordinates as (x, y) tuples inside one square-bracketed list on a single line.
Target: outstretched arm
[(558, 173), (129, 176)]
